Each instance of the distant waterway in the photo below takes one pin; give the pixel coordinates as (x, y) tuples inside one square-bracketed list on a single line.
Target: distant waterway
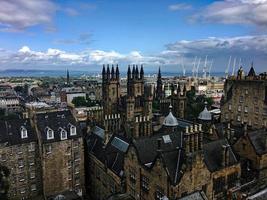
[(62, 73)]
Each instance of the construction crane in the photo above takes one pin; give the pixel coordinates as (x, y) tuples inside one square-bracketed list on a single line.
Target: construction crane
[(194, 66), (228, 66), (199, 60), (205, 68), (233, 72), (211, 63)]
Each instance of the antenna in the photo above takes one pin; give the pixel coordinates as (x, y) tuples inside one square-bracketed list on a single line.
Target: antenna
[(233, 72), (228, 66)]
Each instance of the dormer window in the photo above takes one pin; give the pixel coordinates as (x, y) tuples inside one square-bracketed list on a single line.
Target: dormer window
[(72, 130), (63, 134), (24, 133), (50, 134)]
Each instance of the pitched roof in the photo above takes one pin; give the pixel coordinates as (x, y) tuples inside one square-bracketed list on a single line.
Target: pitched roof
[(56, 121), (198, 195), (258, 140), (252, 72), (11, 131), (112, 154), (213, 152)]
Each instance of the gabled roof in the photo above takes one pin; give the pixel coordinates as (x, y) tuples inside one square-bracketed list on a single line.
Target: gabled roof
[(252, 72), (11, 131), (55, 121), (112, 154), (213, 152), (258, 140)]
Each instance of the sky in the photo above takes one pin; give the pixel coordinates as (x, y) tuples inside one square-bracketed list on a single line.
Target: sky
[(172, 34)]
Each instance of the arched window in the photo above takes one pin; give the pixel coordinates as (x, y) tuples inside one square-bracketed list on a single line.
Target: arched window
[(63, 135), (72, 130), (50, 134), (24, 133)]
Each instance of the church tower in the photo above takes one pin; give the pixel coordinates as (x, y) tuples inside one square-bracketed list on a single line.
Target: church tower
[(110, 89), (179, 102), (68, 78), (159, 90), (138, 103)]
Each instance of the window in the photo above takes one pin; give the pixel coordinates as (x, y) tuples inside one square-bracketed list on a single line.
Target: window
[(145, 183), (3, 157), (241, 99), (31, 147), (63, 135), (32, 174), (22, 191), (24, 133), (238, 118), (48, 148), (72, 130), (33, 187), (76, 169), (255, 100), (159, 194), (50, 134), (246, 109), (246, 91), (231, 179), (256, 109), (76, 155), (218, 185), (132, 176), (20, 163), (230, 107), (239, 108), (226, 116)]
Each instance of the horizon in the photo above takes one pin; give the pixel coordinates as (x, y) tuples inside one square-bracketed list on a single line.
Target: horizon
[(169, 34)]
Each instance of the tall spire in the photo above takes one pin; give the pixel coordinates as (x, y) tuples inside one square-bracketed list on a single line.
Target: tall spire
[(117, 72), (136, 73), (68, 77), (103, 72), (108, 72), (133, 72), (159, 74), (129, 73), (112, 72), (141, 72)]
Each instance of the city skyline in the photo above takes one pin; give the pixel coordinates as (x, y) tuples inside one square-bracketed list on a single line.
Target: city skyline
[(82, 35)]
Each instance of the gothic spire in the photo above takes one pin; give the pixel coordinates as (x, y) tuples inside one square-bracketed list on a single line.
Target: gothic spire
[(117, 72), (129, 73), (112, 72), (141, 72), (108, 72), (136, 73)]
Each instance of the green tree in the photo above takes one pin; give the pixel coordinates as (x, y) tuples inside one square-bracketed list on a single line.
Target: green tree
[(195, 104), (79, 101)]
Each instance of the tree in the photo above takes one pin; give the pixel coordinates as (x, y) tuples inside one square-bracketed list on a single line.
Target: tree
[(195, 104), (79, 101)]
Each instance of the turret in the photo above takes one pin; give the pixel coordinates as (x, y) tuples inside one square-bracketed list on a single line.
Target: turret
[(136, 73), (108, 72), (117, 72), (133, 72), (129, 73), (142, 72), (112, 72)]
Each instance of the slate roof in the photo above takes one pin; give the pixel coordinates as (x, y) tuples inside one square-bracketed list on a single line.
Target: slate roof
[(199, 195), (56, 121), (112, 155), (213, 152), (11, 133), (171, 153), (252, 72), (258, 140)]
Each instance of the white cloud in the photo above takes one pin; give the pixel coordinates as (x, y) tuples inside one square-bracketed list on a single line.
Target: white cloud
[(248, 48), (180, 6), (251, 12), (16, 15)]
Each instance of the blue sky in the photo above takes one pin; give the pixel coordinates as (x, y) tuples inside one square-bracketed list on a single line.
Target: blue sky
[(47, 34)]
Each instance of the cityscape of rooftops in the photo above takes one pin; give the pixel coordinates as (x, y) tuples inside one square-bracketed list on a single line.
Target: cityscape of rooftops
[(133, 100)]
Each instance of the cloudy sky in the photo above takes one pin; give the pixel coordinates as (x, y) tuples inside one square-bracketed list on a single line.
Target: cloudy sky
[(84, 34)]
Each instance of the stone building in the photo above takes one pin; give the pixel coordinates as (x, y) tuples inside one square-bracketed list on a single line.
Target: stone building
[(245, 99), (61, 152), (105, 161), (131, 112), (174, 163), (252, 148), (19, 153)]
